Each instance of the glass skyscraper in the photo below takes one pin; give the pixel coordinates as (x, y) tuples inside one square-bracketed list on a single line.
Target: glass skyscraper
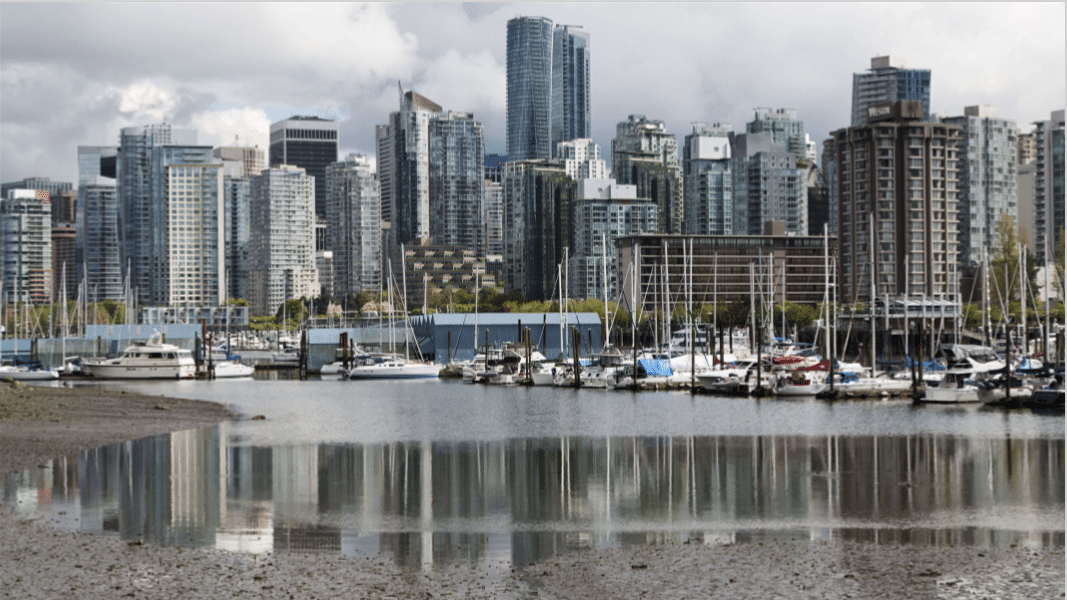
[(309, 143), (141, 221), (457, 181), (887, 81), (570, 85), (708, 194), (529, 93), (353, 210), (987, 179)]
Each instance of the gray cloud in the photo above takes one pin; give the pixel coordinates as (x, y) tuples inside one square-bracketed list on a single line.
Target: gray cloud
[(229, 68)]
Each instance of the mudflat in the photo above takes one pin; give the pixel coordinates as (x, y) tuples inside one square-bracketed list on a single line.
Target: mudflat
[(38, 560)]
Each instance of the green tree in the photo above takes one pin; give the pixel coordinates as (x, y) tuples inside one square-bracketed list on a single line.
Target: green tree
[(1004, 266), (972, 316)]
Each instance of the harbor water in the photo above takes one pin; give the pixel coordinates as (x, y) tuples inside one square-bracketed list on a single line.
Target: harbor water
[(434, 473)]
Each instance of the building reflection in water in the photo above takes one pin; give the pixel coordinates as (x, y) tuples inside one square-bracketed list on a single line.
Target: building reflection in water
[(519, 501)]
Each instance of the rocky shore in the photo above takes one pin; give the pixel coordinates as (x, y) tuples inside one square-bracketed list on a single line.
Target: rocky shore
[(40, 561)]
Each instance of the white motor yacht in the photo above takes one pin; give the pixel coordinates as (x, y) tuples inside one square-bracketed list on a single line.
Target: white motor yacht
[(964, 363), (145, 360)]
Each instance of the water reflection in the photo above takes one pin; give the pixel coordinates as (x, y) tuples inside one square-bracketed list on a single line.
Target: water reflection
[(520, 501)]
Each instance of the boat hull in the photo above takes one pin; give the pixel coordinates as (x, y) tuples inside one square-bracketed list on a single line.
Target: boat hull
[(809, 389), (101, 371), (27, 375), (395, 372)]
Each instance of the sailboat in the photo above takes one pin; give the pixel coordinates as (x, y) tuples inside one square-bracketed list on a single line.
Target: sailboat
[(20, 372), (395, 367)]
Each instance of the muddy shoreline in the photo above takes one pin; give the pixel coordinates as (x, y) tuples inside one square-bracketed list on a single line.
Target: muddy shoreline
[(38, 560)]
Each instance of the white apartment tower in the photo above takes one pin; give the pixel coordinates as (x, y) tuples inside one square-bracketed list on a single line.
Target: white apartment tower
[(581, 159), (282, 244)]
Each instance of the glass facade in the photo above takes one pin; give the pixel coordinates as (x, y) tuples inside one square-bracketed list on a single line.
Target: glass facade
[(987, 181), (237, 193), (598, 223), (457, 182), (767, 185), (99, 254), (887, 83), (282, 244), (644, 154), (307, 142), (529, 88), (708, 180), (571, 115), (1048, 186), (140, 202), (354, 235)]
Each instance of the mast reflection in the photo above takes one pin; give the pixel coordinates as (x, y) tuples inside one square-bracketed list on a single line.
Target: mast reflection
[(520, 501)]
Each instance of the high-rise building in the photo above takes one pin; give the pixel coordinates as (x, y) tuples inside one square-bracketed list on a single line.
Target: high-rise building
[(457, 181), (98, 239), (581, 159), (236, 207), (571, 114), (26, 246), (603, 212), (282, 244), (886, 81), (645, 154), (307, 142), (253, 160), (1048, 186), (404, 170), (708, 194), (64, 245), (494, 219), (529, 91), (769, 179), (988, 152), (784, 128), (354, 236), (187, 255), (538, 198), (140, 215), (896, 182)]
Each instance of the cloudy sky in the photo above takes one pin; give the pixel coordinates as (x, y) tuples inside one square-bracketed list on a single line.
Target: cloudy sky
[(74, 74)]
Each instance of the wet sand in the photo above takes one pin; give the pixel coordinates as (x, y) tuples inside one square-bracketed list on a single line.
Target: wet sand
[(39, 561)]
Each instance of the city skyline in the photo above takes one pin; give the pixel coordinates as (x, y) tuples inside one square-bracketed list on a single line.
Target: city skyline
[(80, 85)]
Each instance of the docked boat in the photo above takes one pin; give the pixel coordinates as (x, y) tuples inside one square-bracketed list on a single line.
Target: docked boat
[(964, 362), (797, 384), (23, 373), (230, 369), (287, 356), (145, 360), (393, 368)]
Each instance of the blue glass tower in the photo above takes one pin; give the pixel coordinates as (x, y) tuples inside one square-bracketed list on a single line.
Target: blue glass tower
[(887, 81), (529, 58), (570, 85)]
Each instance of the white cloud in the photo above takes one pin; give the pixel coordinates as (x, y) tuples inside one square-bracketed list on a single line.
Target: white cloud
[(225, 68), (251, 126)]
